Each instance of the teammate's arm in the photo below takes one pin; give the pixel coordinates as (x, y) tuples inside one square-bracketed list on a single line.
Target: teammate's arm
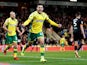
[(82, 29), (28, 20), (71, 31), (20, 33), (52, 22), (18, 28), (5, 24)]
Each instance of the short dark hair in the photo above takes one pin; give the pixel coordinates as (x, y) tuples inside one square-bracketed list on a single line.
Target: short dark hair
[(40, 4), (78, 13)]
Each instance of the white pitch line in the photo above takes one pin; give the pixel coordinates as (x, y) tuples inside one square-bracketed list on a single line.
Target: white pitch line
[(48, 57)]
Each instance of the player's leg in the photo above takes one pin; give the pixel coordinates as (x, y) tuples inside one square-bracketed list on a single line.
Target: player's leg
[(3, 44), (80, 45), (76, 49), (9, 43), (34, 44), (62, 48), (30, 41), (25, 47), (40, 37), (81, 42), (14, 38), (42, 48), (76, 46), (7, 47)]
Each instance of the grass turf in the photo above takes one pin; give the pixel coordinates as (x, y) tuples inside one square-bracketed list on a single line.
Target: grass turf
[(53, 58)]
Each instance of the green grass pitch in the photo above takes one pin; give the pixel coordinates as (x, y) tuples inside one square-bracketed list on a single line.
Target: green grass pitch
[(53, 58)]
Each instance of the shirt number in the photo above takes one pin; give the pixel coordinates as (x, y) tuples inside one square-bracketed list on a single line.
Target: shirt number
[(74, 22)]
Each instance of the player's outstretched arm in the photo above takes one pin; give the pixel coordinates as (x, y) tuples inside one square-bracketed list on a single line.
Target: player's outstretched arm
[(28, 20), (52, 22)]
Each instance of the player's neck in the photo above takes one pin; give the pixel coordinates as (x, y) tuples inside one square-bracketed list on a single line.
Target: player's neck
[(12, 18), (77, 17), (39, 12)]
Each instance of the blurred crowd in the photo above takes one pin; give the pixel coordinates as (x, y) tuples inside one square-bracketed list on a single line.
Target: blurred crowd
[(52, 34)]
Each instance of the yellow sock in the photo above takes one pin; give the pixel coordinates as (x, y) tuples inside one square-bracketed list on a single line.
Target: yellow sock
[(15, 55), (15, 52), (42, 51)]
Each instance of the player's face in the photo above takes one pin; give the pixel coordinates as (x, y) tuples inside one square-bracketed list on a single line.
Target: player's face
[(40, 8), (12, 15), (79, 16)]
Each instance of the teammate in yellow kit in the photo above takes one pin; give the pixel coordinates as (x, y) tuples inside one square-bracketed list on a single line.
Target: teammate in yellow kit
[(10, 26), (37, 19), (63, 42)]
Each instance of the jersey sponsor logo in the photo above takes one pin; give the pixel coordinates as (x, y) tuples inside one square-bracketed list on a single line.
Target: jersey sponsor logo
[(13, 24), (39, 20)]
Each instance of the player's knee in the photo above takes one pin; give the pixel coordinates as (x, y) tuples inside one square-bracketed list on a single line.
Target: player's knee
[(15, 44), (41, 42)]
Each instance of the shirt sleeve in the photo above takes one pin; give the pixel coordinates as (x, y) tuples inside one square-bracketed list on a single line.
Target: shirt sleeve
[(29, 19), (6, 22), (50, 21), (81, 22)]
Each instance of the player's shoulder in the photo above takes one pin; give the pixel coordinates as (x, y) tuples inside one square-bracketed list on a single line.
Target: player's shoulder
[(75, 19), (44, 13), (80, 20), (16, 20), (8, 18), (35, 12)]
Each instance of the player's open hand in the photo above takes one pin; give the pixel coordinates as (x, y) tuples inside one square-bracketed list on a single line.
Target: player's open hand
[(59, 25), (20, 34)]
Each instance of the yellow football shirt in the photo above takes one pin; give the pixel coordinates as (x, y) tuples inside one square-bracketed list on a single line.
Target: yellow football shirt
[(37, 20), (62, 41), (11, 25)]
